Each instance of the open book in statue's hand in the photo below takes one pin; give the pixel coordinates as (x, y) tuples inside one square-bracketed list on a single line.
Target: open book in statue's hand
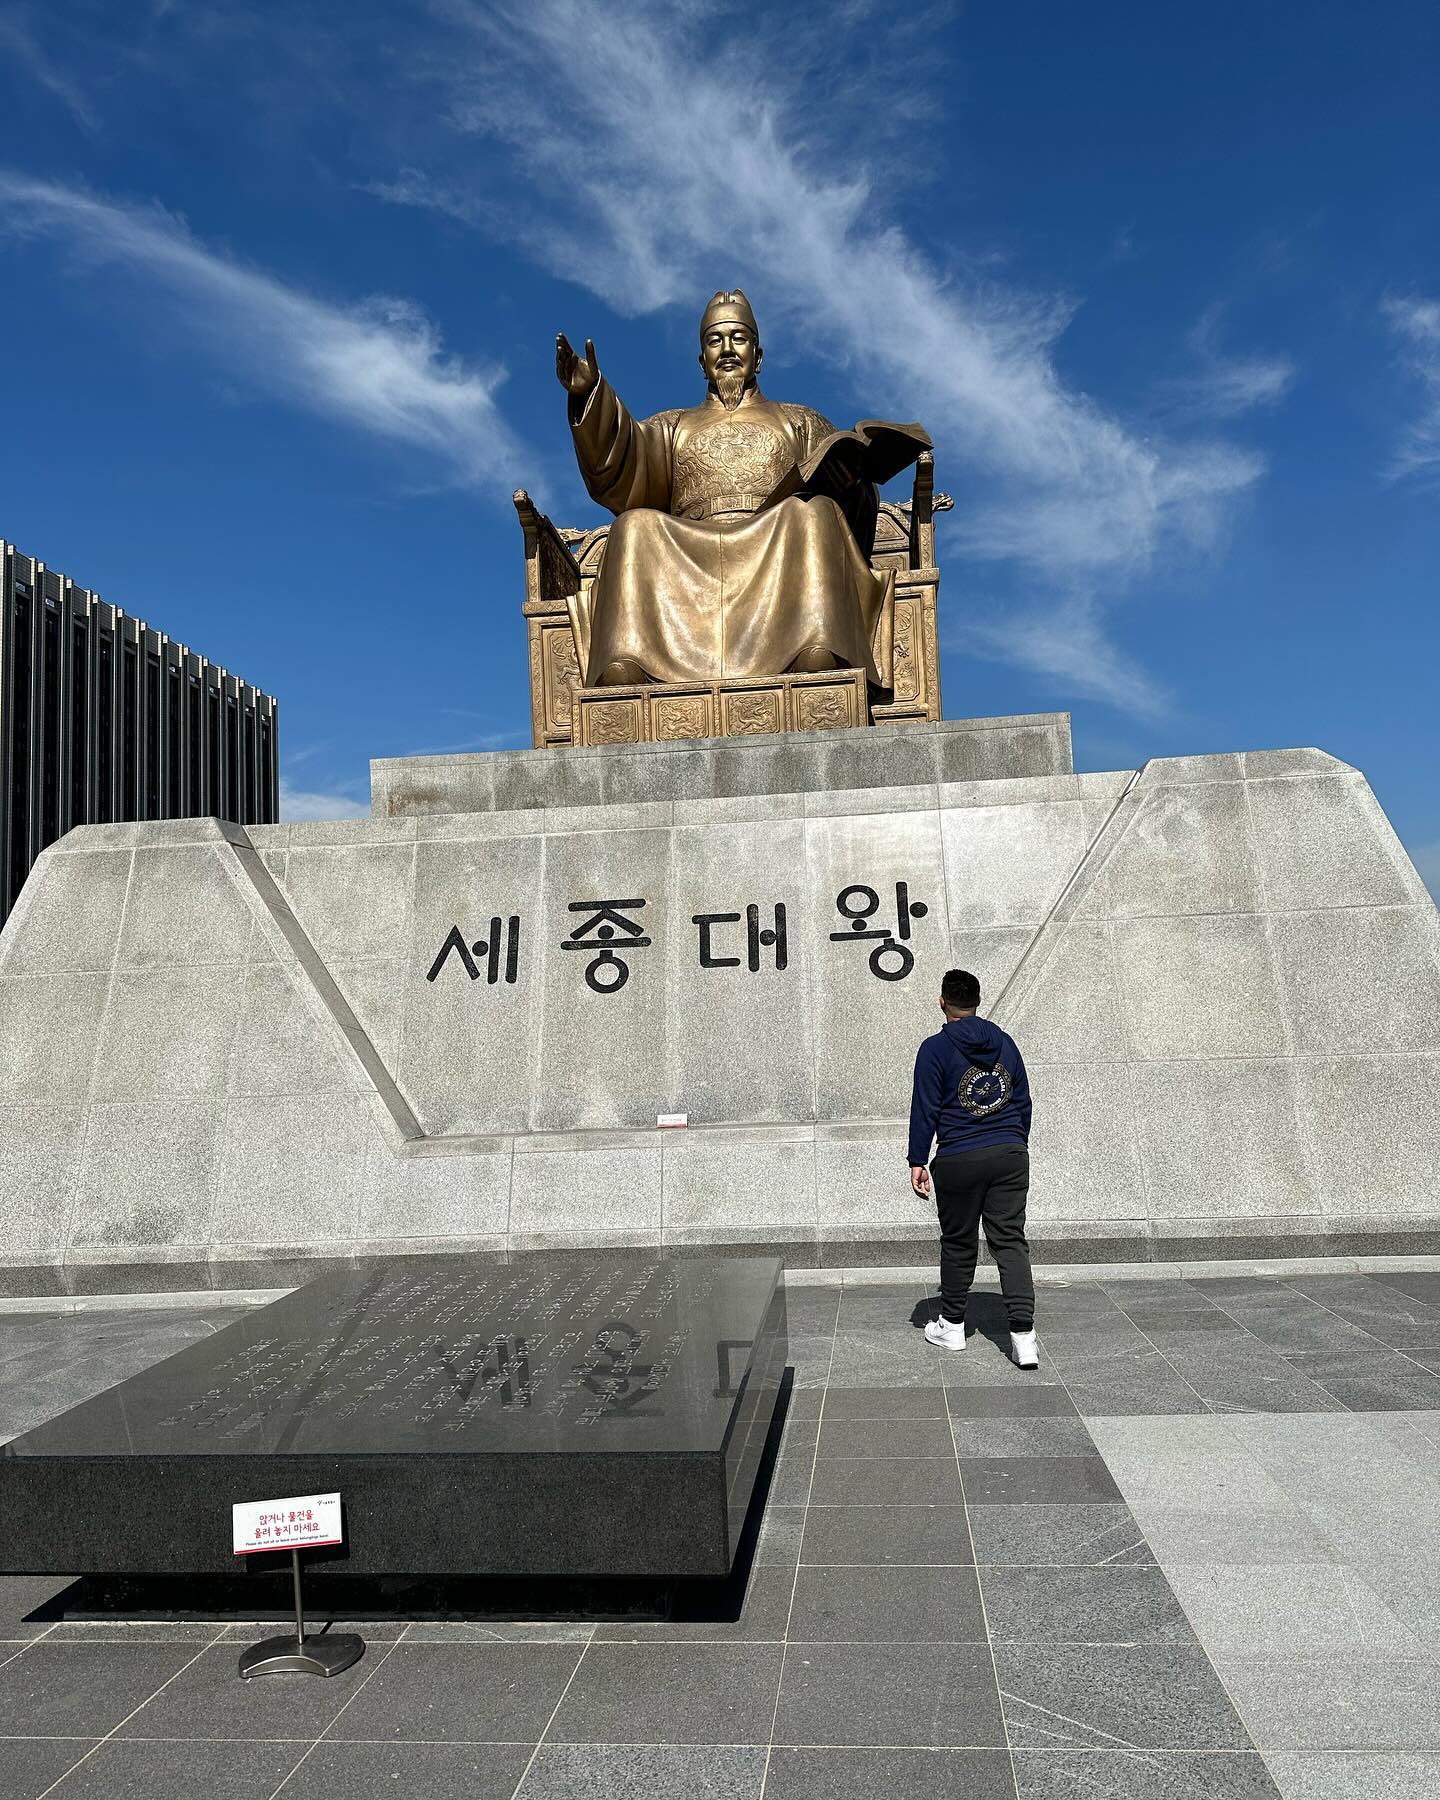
[(874, 451)]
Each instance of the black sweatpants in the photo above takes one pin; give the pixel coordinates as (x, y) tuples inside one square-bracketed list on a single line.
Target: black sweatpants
[(988, 1185)]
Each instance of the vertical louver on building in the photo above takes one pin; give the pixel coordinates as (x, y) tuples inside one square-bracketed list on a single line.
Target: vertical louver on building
[(104, 720)]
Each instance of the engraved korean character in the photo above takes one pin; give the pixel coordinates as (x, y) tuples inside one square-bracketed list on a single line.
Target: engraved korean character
[(757, 937), (602, 936), (858, 903), (503, 938)]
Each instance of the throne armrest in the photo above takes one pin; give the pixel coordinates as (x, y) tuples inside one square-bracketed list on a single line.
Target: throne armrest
[(551, 571), (924, 505)]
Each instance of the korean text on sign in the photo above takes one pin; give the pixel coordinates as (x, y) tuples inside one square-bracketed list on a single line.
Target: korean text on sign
[(295, 1524)]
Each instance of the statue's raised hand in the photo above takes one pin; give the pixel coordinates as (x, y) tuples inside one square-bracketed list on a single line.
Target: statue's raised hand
[(577, 373)]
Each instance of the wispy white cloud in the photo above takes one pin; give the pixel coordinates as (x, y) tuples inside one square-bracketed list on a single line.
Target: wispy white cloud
[(1224, 384), (378, 367), (1415, 320), (1067, 644), (652, 170), (299, 805), (19, 43)]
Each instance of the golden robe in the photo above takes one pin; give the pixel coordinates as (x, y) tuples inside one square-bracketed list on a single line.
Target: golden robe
[(697, 582)]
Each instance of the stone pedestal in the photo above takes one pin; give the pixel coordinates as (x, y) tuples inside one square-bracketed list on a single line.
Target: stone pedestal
[(582, 1417), (224, 1051)]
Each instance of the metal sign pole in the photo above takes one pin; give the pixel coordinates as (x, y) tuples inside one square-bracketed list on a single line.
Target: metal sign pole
[(326, 1654)]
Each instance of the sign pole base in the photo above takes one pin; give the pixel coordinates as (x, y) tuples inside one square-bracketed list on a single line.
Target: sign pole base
[(315, 1656), (300, 1655)]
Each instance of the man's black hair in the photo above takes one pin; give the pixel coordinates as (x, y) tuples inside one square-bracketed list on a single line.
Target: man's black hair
[(960, 989)]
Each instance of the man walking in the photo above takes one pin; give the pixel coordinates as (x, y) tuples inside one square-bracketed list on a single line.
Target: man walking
[(971, 1092)]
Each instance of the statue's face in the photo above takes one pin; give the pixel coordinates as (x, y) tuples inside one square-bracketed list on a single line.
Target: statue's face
[(730, 354)]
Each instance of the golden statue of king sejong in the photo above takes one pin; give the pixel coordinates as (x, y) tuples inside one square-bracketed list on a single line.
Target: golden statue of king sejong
[(744, 526)]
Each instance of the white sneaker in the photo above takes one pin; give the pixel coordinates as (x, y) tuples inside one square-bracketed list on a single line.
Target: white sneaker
[(1025, 1348), (947, 1335)]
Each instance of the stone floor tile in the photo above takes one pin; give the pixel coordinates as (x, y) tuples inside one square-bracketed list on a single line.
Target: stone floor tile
[(790, 1482), (1183, 1325), (1299, 1325), (125, 1770), (457, 1693), (1409, 1589), (780, 1533), (1239, 1287), (1148, 1387), (1115, 1696), (1139, 1440), (805, 1402), (1356, 1774), (797, 1433), (1415, 1284), (1036, 1480), (670, 1694), (21, 1594), (82, 1690), (497, 1631), (1143, 1775), (809, 1360), (406, 1772), (1015, 1400), (1058, 1536), (845, 1694), (1284, 1535), (855, 1774), (931, 1535), (1384, 1313), (194, 1632), (843, 1404), (1094, 1340), (1354, 1702), (1022, 1437), (641, 1772), (847, 1605), (1162, 1291), (1227, 1480), (1078, 1297), (872, 1481), (1372, 1380), (886, 1437), (900, 1366), (811, 1311), (762, 1619), (1231, 1377), (986, 1363), (28, 1766), (1258, 1609), (1083, 1606)]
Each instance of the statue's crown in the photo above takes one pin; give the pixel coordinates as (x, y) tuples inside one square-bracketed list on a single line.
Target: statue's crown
[(731, 308)]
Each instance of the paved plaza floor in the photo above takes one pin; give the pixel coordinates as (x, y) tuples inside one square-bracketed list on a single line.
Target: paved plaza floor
[(1195, 1556)]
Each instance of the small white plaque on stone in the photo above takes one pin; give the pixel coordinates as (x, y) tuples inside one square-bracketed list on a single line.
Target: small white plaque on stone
[(671, 1121), (295, 1524)]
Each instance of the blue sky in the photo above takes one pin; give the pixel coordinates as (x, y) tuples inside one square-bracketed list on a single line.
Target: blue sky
[(282, 283)]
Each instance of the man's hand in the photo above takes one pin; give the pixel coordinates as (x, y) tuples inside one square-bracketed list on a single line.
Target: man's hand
[(578, 374), (920, 1180)]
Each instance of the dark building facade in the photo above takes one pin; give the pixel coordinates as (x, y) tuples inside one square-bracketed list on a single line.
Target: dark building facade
[(103, 719)]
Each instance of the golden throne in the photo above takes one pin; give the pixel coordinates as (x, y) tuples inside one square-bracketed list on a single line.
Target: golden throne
[(561, 565)]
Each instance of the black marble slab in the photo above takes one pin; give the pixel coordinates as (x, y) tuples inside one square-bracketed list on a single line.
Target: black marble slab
[(585, 1416)]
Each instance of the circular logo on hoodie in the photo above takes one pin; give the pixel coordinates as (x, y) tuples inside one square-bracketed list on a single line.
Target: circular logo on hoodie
[(984, 1091)]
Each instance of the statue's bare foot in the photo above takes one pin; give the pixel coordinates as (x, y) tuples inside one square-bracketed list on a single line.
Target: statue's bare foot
[(622, 673), (814, 659)]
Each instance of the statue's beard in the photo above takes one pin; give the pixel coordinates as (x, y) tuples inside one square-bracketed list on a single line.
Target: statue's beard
[(729, 387)]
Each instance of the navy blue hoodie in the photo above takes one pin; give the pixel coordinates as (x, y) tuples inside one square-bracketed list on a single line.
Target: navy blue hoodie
[(941, 1065)]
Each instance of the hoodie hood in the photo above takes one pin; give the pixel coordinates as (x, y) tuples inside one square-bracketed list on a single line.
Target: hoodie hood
[(976, 1039)]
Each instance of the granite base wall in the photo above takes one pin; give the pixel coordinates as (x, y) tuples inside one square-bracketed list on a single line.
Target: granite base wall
[(222, 1063), (810, 762)]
